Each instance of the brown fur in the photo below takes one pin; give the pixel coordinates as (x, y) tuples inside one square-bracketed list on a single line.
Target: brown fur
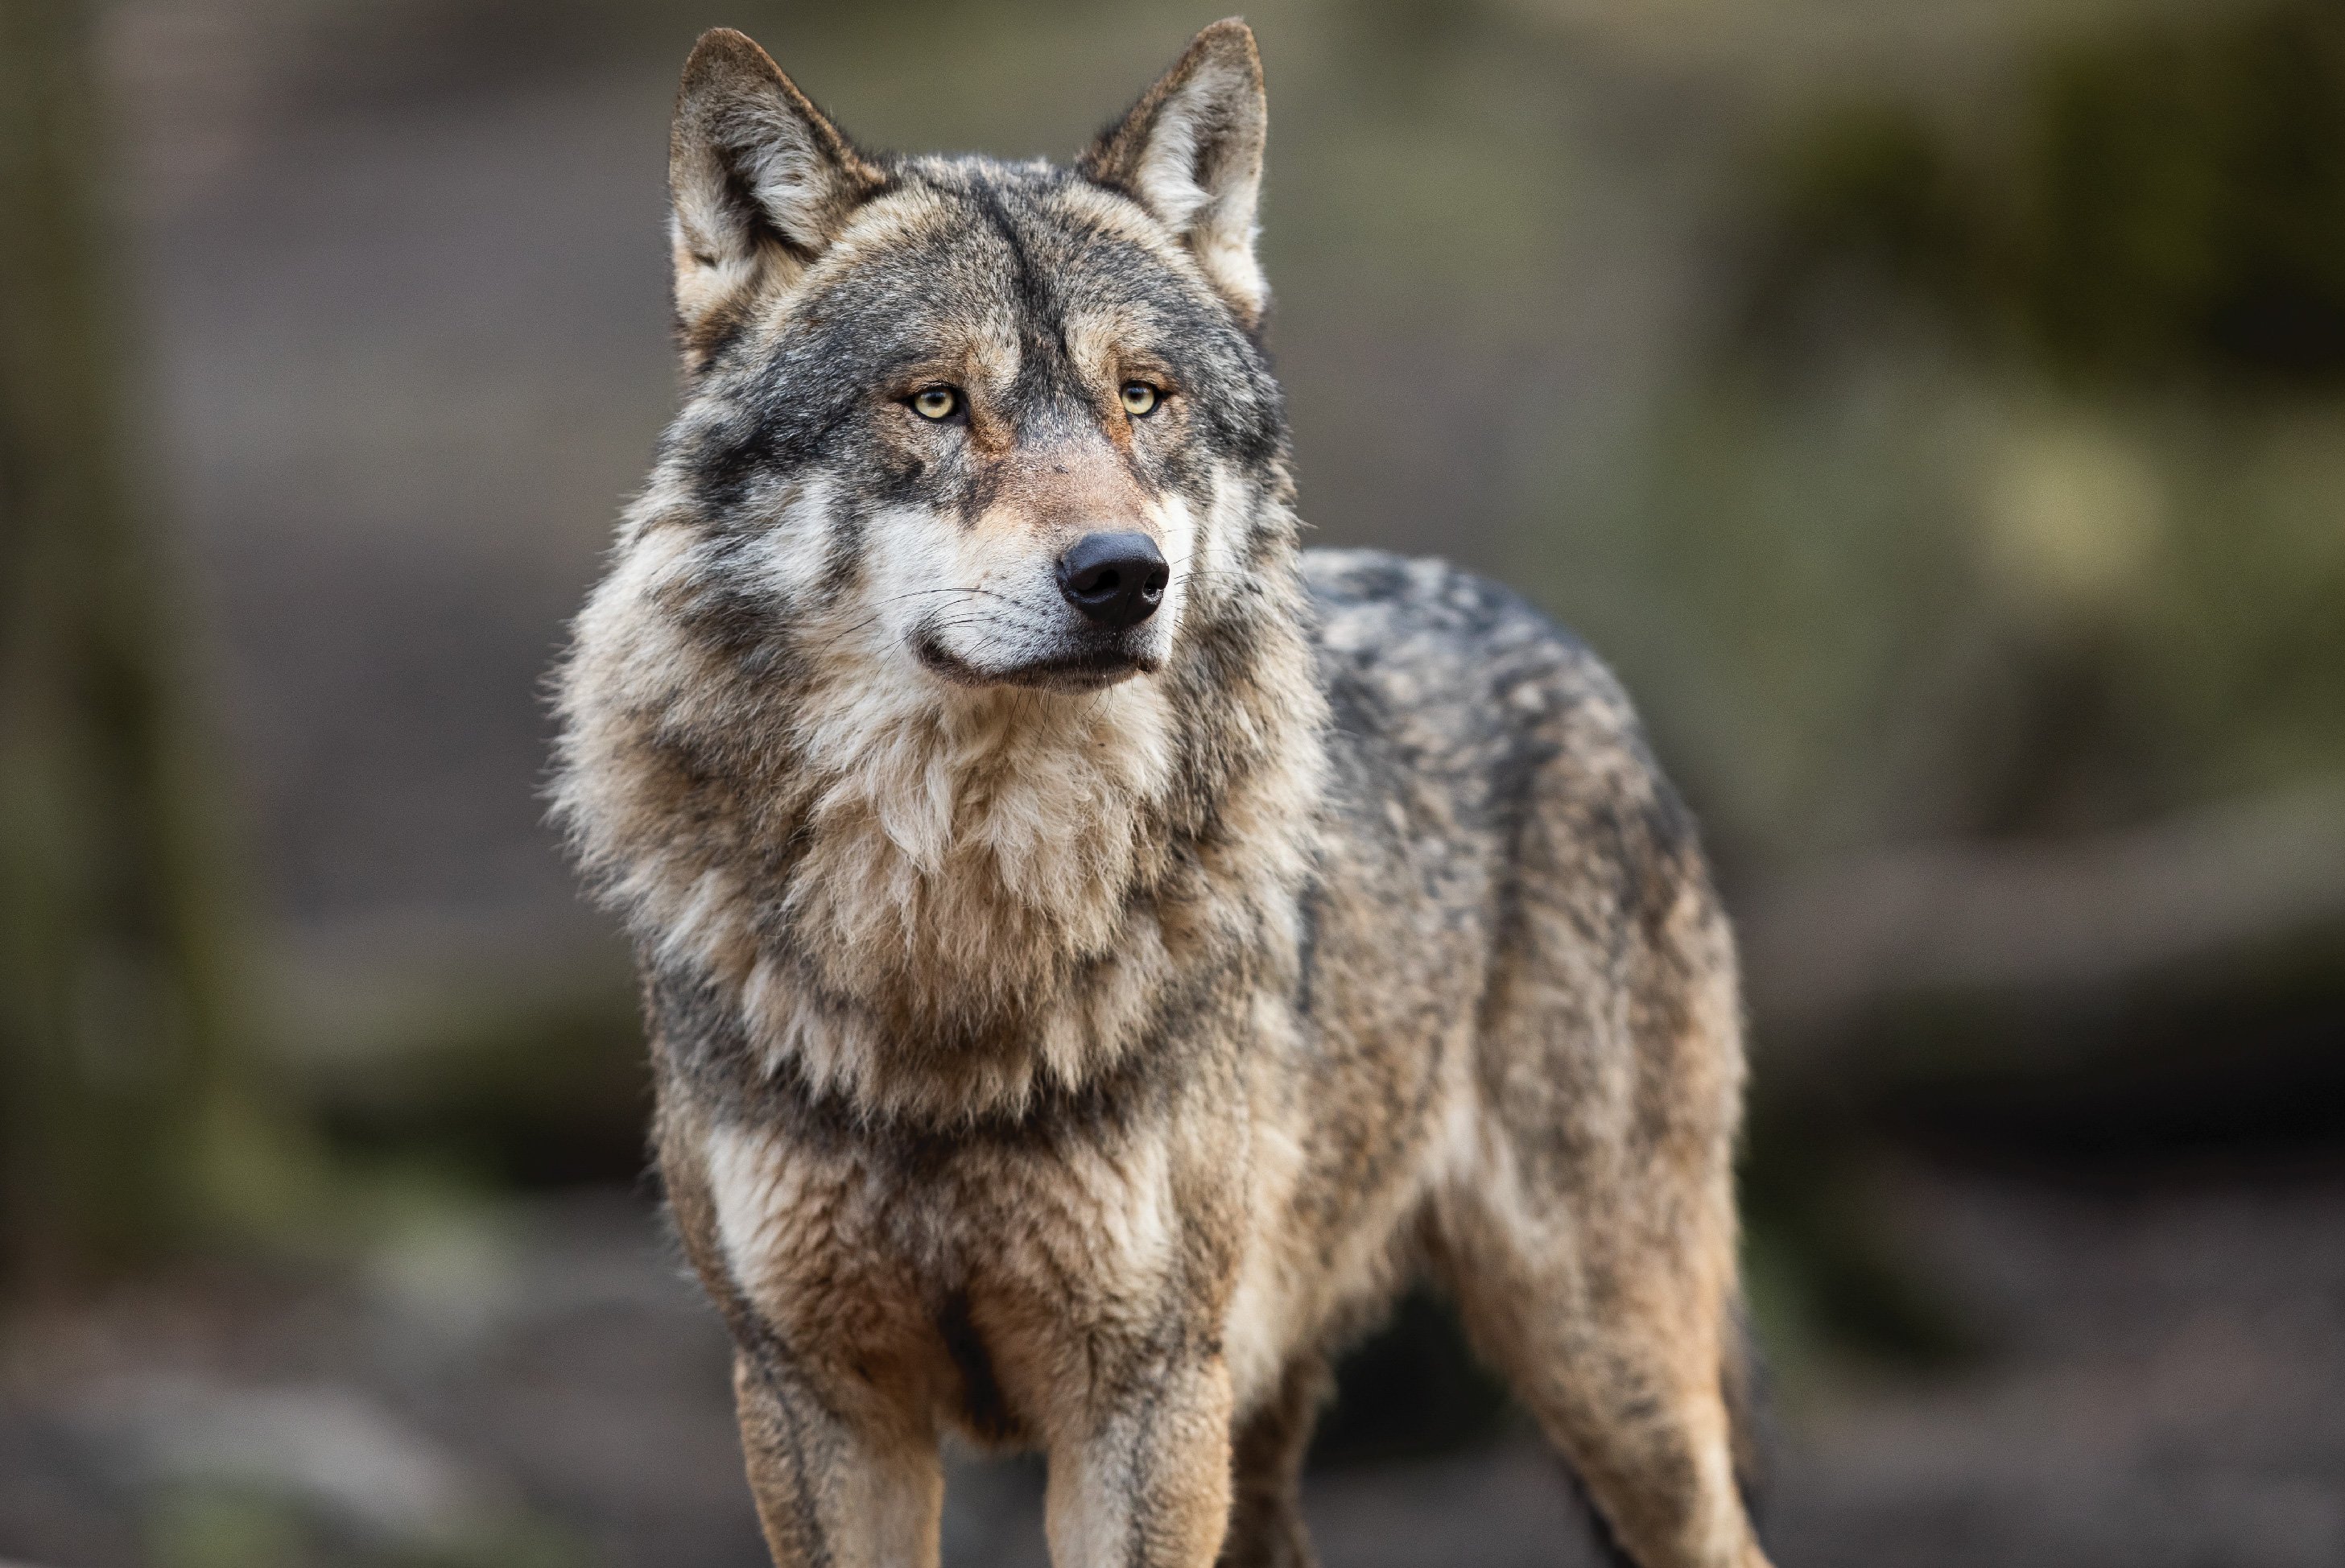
[(1076, 1063)]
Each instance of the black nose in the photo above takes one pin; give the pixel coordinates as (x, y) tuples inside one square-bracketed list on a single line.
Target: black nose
[(1115, 579)]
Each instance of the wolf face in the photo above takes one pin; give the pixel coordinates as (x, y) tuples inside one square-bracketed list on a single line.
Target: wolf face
[(945, 625), (1008, 412)]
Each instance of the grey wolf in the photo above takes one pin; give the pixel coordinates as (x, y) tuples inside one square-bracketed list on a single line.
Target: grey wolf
[(1095, 952)]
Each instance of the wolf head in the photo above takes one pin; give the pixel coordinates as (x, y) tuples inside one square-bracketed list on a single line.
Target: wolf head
[(1013, 395), (958, 630)]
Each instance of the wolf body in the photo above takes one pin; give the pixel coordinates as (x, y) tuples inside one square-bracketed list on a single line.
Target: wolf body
[(1095, 952)]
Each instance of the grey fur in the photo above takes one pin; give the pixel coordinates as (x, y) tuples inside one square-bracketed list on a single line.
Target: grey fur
[(1072, 1037)]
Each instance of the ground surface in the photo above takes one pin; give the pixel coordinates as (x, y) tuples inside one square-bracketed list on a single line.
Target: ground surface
[(544, 1387)]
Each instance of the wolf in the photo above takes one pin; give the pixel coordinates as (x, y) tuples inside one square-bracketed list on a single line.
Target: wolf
[(1095, 952)]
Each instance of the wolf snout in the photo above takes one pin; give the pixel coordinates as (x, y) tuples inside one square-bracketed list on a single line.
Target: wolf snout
[(1116, 580)]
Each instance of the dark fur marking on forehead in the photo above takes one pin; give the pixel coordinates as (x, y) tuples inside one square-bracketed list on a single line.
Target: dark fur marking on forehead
[(1037, 308), (1047, 394)]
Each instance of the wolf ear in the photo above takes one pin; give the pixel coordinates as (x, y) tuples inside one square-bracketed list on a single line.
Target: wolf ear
[(1191, 152), (759, 182)]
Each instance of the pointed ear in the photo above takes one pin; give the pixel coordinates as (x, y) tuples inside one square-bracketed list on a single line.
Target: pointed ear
[(1191, 152), (760, 183)]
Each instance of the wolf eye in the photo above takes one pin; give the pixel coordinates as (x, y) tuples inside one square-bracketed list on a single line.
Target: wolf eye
[(935, 402), (1140, 399)]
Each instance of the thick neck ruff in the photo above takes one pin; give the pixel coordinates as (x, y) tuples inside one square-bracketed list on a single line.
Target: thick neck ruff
[(932, 901)]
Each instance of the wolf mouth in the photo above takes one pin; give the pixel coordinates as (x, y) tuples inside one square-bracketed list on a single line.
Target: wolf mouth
[(1087, 669)]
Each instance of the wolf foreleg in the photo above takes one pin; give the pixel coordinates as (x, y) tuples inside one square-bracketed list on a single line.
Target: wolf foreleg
[(1145, 1483), (828, 1493)]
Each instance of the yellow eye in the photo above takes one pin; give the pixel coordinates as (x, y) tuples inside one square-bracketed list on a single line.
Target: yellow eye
[(1140, 399), (935, 402)]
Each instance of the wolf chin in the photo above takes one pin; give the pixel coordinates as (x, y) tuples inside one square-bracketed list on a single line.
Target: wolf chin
[(1095, 952)]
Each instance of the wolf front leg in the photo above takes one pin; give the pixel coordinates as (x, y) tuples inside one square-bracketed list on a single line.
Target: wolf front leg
[(831, 1493), (1144, 1479)]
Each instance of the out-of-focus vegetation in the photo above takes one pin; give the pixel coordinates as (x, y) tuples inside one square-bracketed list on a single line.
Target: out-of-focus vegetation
[(2006, 509), (2163, 208), (2005, 503), (127, 1119)]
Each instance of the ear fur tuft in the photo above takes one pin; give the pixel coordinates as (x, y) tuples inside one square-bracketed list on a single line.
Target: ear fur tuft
[(759, 181), (1191, 152)]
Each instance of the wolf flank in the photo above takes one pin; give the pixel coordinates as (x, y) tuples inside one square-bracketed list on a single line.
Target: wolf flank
[(1095, 952)]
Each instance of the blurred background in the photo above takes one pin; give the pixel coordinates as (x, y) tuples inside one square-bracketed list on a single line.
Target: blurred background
[(1935, 409)]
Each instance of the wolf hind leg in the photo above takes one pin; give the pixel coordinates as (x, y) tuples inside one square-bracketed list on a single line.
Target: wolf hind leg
[(1266, 1527), (1622, 1354)]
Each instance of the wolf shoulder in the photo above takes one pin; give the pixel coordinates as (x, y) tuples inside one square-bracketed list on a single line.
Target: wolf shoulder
[(1458, 705), (1417, 653)]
